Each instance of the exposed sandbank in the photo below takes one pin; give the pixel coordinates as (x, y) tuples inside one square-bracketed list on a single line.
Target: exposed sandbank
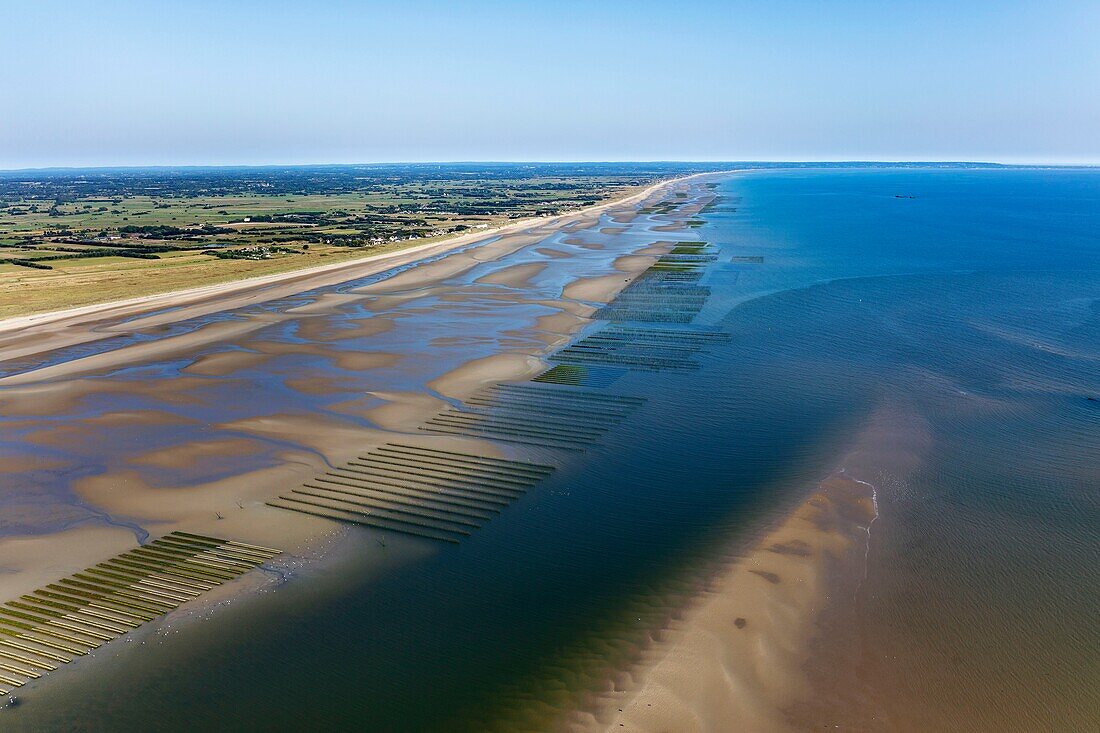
[(224, 363), (514, 276), (740, 657)]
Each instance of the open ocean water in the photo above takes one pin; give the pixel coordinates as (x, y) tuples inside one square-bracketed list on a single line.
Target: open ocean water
[(971, 297), (977, 305)]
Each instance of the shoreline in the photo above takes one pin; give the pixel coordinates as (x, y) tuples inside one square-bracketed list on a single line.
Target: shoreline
[(57, 329)]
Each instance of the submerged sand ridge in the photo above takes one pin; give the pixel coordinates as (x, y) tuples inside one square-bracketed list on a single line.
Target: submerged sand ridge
[(745, 654)]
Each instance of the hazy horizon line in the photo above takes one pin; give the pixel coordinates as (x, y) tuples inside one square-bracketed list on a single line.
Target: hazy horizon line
[(654, 161)]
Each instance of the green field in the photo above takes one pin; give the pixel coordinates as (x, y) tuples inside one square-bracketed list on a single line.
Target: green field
[(72, 241)]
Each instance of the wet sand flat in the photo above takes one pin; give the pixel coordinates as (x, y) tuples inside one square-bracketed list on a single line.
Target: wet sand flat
[(513, 276), (224, 363)]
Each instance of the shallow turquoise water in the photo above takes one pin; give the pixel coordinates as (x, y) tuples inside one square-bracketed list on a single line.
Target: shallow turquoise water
[(977, 302)]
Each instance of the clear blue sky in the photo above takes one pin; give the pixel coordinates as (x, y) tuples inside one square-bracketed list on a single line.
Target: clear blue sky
[(242, 81)]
